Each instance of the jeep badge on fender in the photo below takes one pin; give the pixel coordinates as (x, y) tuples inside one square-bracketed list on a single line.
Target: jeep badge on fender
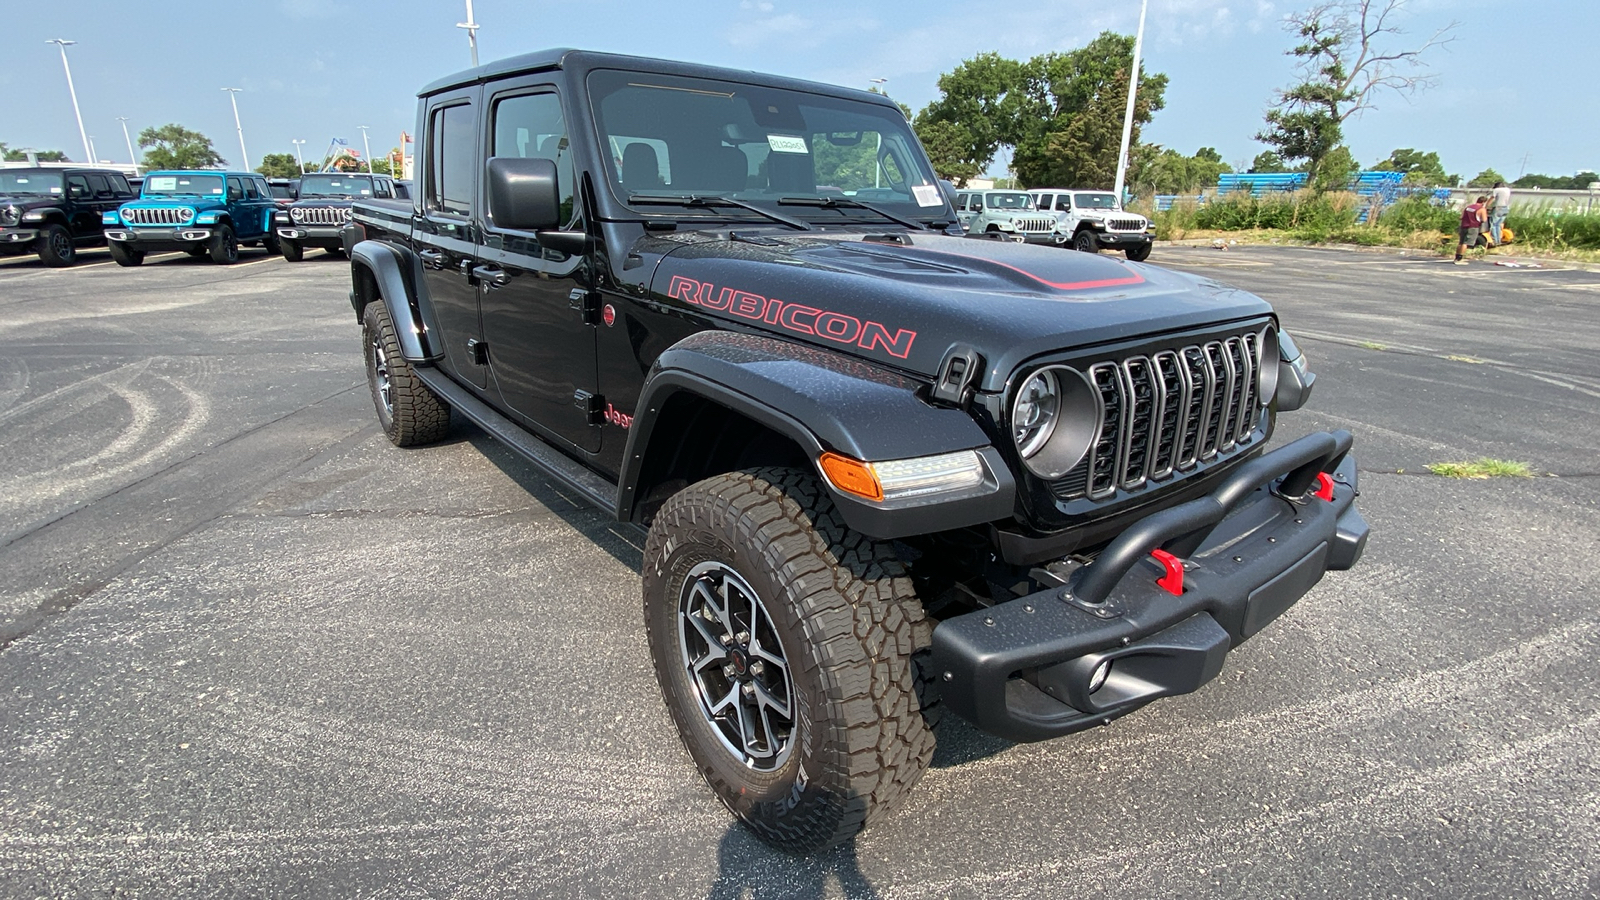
[(887, 472)]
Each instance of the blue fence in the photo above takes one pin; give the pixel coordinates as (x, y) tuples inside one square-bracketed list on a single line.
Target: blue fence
[(1382, 187)]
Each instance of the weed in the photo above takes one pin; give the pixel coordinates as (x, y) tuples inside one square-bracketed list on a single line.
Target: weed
[(1482, 468), (1373, 345)]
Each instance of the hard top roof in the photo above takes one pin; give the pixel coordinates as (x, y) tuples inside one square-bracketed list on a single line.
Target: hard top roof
[(580, 62), (203, 172)]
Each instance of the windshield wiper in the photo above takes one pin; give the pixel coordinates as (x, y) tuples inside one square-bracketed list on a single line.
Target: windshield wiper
[(712, 201), (836, 202)]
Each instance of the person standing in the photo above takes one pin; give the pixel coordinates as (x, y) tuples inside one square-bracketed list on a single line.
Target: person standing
[(1502, 206), (1472, 219)]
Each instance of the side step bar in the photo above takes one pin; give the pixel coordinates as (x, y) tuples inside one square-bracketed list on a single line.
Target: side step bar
[(547, 459)]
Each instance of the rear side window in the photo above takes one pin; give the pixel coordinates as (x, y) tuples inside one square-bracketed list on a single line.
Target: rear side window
[(99, 185), (120, 186), (450, 160), (78, 187), (532, 126)]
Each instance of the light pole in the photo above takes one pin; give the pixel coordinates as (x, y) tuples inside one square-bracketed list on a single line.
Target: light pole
[(366, 147), (94, 158), (1127, 116), (472, 33), (298, 156), (233, 95), (74, 92), (878, 150), (131, 157)]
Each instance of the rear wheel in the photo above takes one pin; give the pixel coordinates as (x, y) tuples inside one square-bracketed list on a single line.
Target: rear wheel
[(409, 413), (788, 648), (1138, 252), (224, 246), (1086, 242), (292, 250), (125, 256), (55, 246)]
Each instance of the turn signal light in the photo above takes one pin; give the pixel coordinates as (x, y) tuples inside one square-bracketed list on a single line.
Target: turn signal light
[(852, 476)]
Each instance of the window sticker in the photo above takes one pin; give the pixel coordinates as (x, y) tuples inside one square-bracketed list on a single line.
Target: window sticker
[(785, 143), (55, 190), (926, 194), (164, 184)]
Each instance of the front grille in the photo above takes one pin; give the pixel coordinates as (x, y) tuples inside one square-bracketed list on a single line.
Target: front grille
[(1034, 224), (167, 215), (1168, 413), (1125, 224), (321, 215)]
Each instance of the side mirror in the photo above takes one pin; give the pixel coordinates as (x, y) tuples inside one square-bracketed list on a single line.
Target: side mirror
[(523, 195)]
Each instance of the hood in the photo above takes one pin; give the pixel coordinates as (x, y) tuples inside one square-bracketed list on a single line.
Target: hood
[(30, 201), (904, 299), (340, 201)]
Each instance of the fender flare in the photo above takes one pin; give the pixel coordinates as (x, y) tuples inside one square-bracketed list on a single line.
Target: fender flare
[(823, 401), (397, 273)]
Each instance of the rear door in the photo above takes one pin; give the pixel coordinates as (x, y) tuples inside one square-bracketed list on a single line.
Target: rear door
[(533, 298), (445, 236)]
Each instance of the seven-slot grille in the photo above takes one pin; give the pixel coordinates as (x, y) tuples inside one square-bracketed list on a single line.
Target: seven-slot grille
[(1034, 224), (1167, 412), (321, 215), (1126, 224), (160, 215)]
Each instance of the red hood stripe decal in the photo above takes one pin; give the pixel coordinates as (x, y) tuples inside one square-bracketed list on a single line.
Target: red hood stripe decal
[(1133, 278)]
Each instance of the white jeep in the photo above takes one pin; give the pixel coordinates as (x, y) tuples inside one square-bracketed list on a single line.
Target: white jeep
[(1011, 213), (1093, 220)]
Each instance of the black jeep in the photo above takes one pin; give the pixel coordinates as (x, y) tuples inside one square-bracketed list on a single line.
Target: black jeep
[(887, 472), (322, 207), (55, 211)]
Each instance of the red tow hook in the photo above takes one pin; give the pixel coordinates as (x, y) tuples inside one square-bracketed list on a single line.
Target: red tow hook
[(1325, 486), (1172, 582)]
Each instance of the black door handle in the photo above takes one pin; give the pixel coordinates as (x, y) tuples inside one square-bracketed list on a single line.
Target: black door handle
[(433, 259), (491, 276)]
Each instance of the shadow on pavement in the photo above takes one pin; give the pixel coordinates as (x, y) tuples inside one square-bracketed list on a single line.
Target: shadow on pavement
[(750, 870)]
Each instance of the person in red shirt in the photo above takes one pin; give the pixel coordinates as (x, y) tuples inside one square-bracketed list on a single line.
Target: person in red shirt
[(1472, 219)]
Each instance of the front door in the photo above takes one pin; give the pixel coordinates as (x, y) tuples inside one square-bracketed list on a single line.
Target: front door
[(446, 237), (542, 344)]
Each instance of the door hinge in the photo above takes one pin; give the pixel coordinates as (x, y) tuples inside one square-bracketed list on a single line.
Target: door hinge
[(593, 406), (478, 352), (587, 303)]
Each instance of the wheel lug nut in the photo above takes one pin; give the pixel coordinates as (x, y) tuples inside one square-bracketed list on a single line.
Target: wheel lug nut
[(749, 689)]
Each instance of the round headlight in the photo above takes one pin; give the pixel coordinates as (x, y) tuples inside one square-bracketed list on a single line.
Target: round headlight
[(1055, 416), (296, 214)]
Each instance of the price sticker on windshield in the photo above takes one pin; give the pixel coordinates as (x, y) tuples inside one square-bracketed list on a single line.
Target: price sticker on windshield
[(787, 143), (926, 194)]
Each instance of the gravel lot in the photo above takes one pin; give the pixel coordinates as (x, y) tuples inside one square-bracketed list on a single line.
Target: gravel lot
[(252, 650)]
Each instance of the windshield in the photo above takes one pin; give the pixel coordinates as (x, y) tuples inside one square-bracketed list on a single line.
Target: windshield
[(183, 185), (668, 136), (336, 186), (1095, 201), (27, 183), (1008, 201)]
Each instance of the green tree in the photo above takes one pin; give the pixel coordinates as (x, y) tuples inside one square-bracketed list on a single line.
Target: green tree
[(1335, 170), (1169, 172), (10, 155), (948, 144), (174, 147), (279, 165), (1267, 162), (1345, 63), (1486, 178), (977, 113), (1576, 182), (1425, 167)]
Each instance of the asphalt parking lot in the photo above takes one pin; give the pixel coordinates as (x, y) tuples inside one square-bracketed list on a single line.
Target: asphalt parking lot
[(250, 649)]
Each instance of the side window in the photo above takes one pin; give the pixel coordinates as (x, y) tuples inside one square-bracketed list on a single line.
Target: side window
[(100, 186), (78, 188), (119, 185), (401, 192), (1064, 203), (235, 188), (961, 202), (531, 126), (977, 202), (380, 188), (450, 160)]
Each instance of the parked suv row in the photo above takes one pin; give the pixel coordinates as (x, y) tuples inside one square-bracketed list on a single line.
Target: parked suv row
[(1092, 221), (1011, 213), (203, 213)]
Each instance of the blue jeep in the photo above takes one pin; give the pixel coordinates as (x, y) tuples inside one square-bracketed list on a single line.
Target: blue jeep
[(199, 212)]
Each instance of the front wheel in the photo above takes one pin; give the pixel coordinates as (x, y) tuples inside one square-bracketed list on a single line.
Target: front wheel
[(409, 413), (125, 256), (269, 243), (56, 249), (788, 650), (1139, 252), (224, 246), (292, 250), (1086, 242)]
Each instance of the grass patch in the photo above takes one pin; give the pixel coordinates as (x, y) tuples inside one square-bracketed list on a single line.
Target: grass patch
[(1466, 359), (1373, 345), (1482, 468)]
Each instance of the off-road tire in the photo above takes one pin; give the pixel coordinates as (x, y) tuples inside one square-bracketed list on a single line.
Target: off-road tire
[(269, 243), (123, 256), (293, 251), (851, 629), (336, 251), (198, 252), (1138, 252), (224, 246), (411, 414), (1085, 242), (56, 249)]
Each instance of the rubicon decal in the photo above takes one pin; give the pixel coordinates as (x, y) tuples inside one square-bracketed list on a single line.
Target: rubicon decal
[(796, 317)]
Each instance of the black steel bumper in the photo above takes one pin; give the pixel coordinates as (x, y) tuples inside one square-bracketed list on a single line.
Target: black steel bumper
[(323, 236), (155, 240), (1112, 639), (1123, 238), (17, 240)]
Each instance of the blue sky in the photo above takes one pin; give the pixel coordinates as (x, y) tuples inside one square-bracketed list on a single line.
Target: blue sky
[(1518, 81)]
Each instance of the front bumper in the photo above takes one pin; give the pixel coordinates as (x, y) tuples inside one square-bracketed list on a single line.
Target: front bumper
[(155, 240), (1123, 238), (18, 238), (324, 236), (1111, 639)]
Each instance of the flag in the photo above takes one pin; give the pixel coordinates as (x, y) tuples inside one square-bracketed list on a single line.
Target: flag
[(341, 142), (405, 137)]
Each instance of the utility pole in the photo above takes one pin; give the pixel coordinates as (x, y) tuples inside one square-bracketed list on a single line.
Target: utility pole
[(366, 147), (472, 33), (298, 157), (74, 92), (131, 156), (1127, 116), (233, 94)]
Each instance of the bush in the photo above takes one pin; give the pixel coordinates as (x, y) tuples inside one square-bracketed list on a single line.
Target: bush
[(1556, 228), (1419, 214)]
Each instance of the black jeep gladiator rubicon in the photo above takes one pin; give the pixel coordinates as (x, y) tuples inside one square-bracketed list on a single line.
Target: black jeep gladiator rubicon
[(321, 208), (888, 472)]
